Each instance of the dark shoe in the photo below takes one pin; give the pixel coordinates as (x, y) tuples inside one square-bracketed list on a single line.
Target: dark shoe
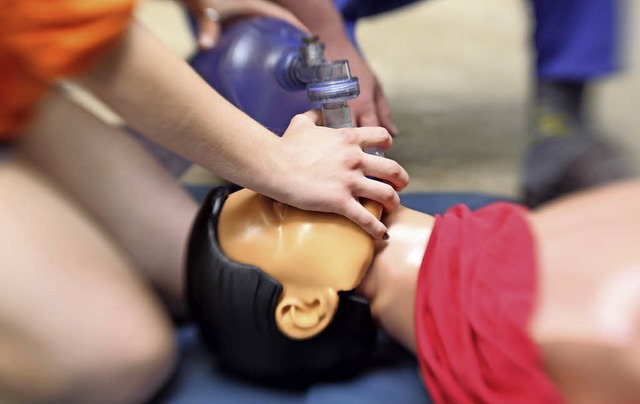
[(558, 166)]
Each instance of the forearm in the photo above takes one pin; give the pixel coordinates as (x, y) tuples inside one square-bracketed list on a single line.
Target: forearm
[(177, 109), (320, 16), (310, 167)]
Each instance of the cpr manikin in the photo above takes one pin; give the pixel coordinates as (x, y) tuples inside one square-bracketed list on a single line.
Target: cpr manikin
[(271, 288), (489, 300)]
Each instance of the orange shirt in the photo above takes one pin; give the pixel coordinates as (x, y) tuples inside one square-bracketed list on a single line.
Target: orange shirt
[(42, 40)]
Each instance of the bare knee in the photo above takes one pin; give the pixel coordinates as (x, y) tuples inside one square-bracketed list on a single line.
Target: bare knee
[(126, 364), (110, 359), (76, 322)]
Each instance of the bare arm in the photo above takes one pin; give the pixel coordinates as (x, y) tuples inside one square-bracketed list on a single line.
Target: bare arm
[(310, 167)]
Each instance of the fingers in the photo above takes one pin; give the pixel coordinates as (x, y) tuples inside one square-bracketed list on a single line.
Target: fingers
[(209, 28), (363, 109), (380, 192), (374, 137), (314, 115), (373, 110), (381, 168), (356, 212), (384, 111), (387, 171), (369, 118), (390, 176)]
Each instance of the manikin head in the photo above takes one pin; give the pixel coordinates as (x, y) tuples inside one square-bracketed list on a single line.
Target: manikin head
[(271, 288)]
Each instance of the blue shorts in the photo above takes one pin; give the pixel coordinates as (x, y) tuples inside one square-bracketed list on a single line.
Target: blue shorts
[(573, 40)]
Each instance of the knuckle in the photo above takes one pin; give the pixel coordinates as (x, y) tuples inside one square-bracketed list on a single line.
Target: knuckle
[(350, 183), (383, 132), (297, 119), (394, 202), (339, 199), (350, 135), (388, 139), (367, 221), (397, 175), (352, 160), (382, 137), (396, 172), (342, 200), (389, 195)]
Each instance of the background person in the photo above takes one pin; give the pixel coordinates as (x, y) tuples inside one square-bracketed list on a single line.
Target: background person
[(574, 45)]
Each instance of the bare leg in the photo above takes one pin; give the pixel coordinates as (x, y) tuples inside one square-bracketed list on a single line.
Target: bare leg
[(76, 322), (121, 186)]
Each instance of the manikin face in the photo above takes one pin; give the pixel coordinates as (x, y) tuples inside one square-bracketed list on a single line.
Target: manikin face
[(313, 255)]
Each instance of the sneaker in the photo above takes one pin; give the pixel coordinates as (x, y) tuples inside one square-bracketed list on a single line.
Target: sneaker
[(558, 166)]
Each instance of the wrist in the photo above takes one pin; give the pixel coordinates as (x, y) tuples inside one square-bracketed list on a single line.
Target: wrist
[(273, 174)]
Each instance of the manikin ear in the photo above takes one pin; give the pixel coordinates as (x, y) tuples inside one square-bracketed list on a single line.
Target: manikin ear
[(305, 314)]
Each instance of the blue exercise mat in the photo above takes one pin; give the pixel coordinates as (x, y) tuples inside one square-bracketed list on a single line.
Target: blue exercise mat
[(392, 376)]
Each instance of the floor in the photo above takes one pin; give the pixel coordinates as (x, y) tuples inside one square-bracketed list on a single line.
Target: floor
[(456, 74)]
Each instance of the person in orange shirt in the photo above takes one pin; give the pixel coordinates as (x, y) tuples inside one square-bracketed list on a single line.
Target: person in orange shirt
[(92, 226)]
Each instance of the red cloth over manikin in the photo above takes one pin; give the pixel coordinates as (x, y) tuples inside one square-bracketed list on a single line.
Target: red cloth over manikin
[(475, 295)]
